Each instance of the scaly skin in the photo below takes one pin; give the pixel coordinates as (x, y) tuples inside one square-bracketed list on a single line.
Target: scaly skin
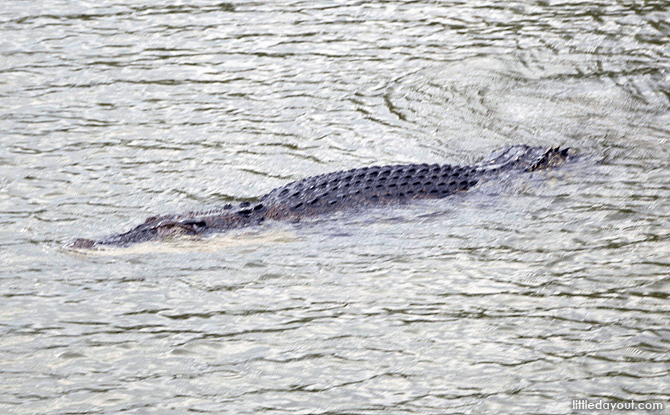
[(351, 189)]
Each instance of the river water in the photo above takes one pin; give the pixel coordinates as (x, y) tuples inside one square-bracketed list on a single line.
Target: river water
[(519, 296)]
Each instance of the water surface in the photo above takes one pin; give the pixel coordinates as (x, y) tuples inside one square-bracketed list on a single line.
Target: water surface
[(518, 296)]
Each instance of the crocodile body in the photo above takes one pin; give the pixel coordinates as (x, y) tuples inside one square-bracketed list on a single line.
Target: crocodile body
[(351, 189)]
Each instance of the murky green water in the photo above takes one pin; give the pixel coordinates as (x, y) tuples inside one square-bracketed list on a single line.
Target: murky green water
[(519, 296)]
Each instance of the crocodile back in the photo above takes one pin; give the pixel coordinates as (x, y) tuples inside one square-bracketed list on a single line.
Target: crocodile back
[(379, 185)]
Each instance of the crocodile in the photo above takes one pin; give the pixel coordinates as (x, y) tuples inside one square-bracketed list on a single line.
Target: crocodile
[(350, 189)]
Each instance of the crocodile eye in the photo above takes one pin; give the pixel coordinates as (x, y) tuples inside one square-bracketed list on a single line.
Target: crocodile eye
[(195, 223)]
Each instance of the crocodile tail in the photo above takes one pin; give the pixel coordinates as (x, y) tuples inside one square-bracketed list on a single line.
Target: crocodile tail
[(552, 157)]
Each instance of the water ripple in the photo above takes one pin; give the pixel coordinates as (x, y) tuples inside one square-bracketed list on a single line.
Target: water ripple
[(525, 293)]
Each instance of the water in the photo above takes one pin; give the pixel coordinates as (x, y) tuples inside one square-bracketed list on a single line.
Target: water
[(519, 296)]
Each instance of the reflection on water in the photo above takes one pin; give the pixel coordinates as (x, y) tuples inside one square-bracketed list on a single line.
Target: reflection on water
[(520, 295), (254, 238)]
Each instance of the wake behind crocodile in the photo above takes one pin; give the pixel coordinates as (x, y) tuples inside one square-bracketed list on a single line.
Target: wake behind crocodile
[(339, 191)]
